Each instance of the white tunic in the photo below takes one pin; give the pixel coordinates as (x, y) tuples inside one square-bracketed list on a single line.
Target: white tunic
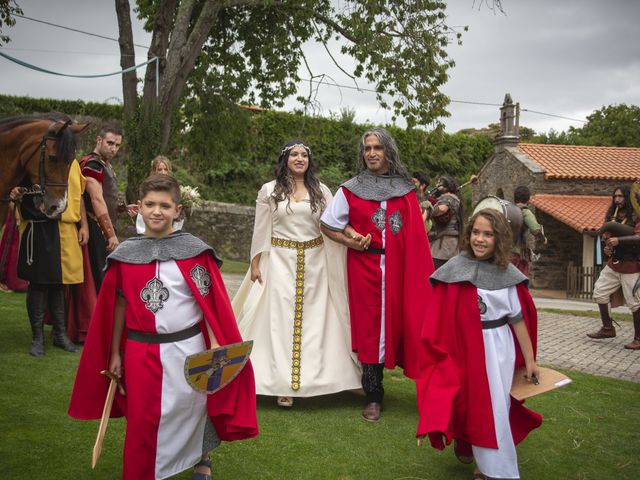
[(500, 354), (298, 317)]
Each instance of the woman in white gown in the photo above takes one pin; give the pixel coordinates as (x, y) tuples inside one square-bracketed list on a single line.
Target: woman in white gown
[(293, 301)]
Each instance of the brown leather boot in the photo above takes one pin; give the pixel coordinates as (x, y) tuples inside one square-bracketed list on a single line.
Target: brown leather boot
[(607, 330), (604, 332), (634, 345)]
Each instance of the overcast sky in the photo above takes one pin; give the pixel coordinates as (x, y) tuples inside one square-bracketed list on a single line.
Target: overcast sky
[(565, 58)]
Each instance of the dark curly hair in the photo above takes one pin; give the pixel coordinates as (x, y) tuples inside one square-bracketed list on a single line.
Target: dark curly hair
[(284, 179), (502, 235)]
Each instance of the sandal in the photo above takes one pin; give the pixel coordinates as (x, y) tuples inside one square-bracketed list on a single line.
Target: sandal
[(286, 402), (477, 475), (202, 476)]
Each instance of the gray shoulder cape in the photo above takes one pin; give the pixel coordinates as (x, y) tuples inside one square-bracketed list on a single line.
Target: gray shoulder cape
[(368, 186), (175, 246), (482, 274)]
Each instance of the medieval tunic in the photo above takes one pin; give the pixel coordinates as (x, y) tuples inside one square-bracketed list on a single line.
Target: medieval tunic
[(388, 284), (298, 316), (169, 284), (93, 166), (49, 249), (464, 389)]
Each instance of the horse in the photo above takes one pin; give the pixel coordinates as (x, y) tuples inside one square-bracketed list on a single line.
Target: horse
[(40, 147)]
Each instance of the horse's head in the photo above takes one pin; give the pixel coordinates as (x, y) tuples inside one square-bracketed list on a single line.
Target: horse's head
[(48, 165)]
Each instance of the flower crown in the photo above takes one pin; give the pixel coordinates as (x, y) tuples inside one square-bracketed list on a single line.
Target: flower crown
[(291, 147)]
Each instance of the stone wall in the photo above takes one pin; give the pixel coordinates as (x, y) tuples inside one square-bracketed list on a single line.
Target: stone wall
[(564, 245), (502, 173)]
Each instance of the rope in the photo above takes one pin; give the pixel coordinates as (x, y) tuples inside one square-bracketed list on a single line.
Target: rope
[(120, 72)]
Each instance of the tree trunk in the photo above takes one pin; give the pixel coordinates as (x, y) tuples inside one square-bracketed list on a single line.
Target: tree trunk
[(127, 57)]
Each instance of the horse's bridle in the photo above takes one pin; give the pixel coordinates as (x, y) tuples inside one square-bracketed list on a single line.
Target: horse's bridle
[(40, 188)]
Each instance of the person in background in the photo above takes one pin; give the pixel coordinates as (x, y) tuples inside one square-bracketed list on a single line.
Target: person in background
[(9, 247), (447, 218), (101, 198), (521, 253), (421, 181), (161, 165), (293, 301), (481, 325), (50, 259), (621, 233)]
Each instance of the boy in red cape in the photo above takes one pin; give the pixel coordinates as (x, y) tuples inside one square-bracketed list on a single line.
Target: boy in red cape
[(482, 324), (158, 292)]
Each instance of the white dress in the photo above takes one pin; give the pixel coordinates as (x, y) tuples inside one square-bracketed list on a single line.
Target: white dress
[(298, 317), (500, 357)]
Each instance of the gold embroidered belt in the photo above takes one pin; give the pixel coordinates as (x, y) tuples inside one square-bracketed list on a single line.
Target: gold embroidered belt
[(296, 348), (286, 243)]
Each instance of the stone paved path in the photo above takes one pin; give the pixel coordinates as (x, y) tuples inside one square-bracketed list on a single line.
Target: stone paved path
[(562, 342)]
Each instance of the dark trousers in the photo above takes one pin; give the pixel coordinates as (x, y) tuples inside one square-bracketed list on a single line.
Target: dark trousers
[(372, 374), (97, 248)]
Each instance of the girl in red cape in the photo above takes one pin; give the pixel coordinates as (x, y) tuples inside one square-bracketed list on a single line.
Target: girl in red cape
[(481, 326), (162, 299)]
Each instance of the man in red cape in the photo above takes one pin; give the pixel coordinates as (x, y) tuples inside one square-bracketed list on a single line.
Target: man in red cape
[(377, 215), (232, 410)]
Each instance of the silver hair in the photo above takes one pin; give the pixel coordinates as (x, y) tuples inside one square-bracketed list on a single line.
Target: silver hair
[(391, 153)]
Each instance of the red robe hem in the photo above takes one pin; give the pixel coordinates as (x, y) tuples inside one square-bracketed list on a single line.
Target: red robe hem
[(232, 409)]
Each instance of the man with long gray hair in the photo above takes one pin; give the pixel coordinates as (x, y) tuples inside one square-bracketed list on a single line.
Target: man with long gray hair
[(376, 214)]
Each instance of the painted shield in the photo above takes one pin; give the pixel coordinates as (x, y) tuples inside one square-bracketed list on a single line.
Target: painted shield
[(211, 370)]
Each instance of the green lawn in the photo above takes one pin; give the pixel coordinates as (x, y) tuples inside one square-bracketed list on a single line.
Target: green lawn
[(590, 429)]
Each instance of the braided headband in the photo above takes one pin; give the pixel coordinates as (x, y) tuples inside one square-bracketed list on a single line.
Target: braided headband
[(291, 147)]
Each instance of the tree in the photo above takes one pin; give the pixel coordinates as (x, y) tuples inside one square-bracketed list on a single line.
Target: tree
[(611, 126), (248, 49), (8, 8)]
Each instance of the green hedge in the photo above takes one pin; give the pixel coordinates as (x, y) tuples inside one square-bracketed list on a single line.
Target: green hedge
[(228, 152)]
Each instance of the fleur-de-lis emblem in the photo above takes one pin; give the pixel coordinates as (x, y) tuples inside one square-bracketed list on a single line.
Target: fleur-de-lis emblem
[(201, 278), (154, 294), (482, 306), (378, 218), (395, 222)]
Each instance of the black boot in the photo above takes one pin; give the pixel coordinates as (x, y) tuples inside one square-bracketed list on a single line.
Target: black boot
[(607, 330), (36, 305), (58, 319)]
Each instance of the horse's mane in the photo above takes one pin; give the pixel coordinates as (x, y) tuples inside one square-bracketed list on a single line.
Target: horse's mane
[(66, 145), (12, 122)]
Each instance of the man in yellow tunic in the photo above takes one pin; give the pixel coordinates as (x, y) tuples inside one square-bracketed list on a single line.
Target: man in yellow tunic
[(50, 258)]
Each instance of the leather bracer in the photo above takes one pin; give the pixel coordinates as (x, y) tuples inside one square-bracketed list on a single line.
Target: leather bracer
[(106, 226)]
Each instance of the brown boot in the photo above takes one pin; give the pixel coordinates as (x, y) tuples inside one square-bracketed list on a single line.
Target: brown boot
[(607, 330), (604, 332), (634, 345)]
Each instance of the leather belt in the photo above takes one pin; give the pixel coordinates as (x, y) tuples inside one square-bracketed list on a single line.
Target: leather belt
[(172, 337), (488, 324), (375, 250)]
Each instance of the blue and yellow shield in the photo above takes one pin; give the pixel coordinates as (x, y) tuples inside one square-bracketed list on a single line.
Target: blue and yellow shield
[(211, 370)]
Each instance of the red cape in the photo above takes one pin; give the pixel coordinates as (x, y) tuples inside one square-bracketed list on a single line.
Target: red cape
[(453, 391), (232, 409), (408, 266)]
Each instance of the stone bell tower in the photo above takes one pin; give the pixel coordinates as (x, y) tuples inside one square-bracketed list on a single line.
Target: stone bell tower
[(509, 133)]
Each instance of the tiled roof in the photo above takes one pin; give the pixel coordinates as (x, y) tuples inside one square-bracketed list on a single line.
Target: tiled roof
[(593, 163), (580, 212)]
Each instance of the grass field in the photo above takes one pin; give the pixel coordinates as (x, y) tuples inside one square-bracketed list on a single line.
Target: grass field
[(590, 430)]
